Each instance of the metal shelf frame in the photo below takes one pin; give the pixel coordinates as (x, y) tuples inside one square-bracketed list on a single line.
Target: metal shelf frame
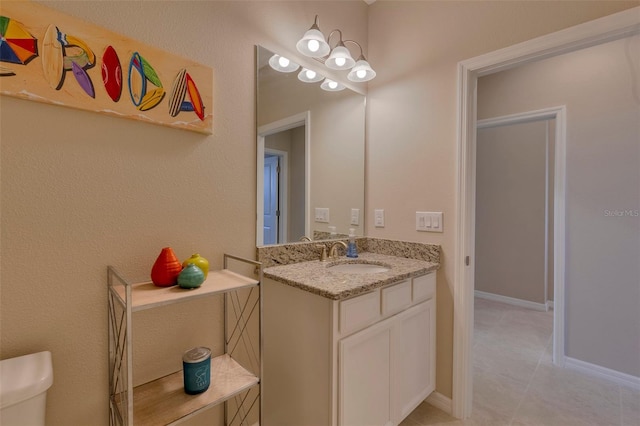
[(241, 363)]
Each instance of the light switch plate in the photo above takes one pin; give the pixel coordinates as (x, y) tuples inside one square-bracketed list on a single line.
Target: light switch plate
[(378, 218), (322, 215), (355, 216), (429, 221)]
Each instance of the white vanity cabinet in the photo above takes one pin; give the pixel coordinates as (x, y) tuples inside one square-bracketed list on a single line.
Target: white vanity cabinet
[(367, 360), (365, 376), (415, 343)]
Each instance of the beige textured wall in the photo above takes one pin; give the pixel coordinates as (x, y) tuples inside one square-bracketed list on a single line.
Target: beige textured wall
[(296, 178), (511, 231), (337, 166), (599, 87), (81, 191), (411, 122)]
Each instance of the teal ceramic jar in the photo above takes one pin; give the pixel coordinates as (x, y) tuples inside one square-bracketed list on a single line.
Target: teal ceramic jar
[(191, 277), (196, 364)]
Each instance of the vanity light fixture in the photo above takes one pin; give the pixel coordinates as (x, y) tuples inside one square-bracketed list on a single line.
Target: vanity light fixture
[(361, 71), (340, 57), (309, 76), (331, 86), (313, 44), (282, 64)]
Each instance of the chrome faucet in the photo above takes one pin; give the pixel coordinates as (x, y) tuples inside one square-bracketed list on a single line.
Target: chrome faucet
[(333, 251), (304, 238)]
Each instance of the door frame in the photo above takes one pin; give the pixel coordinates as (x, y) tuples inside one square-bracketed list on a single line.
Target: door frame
[(283, 191), (287, 123), (599, 31)]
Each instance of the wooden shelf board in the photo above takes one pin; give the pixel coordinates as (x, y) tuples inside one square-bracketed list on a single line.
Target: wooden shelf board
[(146, 295), (164, 401)]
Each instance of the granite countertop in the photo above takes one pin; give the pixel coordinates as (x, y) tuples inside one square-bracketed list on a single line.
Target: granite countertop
[(318, 278)]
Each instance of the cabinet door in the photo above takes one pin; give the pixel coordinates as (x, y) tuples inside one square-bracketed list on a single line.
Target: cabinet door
[(414, 377), (364, 394)]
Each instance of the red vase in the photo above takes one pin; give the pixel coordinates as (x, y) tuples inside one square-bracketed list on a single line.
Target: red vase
[(166, 269)]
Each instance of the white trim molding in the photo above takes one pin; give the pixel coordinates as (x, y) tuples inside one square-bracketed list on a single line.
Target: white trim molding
[(622, 379), (608, 28), (440, 401), (511, 301)]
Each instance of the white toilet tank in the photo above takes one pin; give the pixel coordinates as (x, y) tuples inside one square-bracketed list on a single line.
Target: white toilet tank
[(24, 381)]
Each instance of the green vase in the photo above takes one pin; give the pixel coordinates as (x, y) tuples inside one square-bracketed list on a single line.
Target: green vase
[(191, 277)]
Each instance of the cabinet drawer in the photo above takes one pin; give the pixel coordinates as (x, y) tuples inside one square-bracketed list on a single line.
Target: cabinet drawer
[(396, 298), (424, 287), (359, 312)]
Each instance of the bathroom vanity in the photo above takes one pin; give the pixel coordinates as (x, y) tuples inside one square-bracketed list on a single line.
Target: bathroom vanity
[(345, 346)]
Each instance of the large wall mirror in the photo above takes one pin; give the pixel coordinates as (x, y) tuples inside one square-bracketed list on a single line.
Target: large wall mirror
[(310, 164)]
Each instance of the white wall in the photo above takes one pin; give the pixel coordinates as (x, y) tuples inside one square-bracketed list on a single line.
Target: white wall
[(599, 86), (411, 121), (82, 190)]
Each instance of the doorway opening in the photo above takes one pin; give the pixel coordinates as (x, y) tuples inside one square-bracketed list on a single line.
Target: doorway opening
[(276, 203), (283, 163), (599, 31), (514, 210)]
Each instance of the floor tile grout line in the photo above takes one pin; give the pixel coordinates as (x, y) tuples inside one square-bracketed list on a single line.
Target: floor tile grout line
[(526, 390)]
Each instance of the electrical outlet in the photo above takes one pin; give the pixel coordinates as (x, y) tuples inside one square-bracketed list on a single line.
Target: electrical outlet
[(378, 218), (355, 216), (429, 221), (322, 215)]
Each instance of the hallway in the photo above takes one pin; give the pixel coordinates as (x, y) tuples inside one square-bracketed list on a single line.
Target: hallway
[(515, 382)]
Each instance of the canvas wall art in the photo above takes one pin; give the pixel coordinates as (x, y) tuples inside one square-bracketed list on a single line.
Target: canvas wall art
[(46, 56)]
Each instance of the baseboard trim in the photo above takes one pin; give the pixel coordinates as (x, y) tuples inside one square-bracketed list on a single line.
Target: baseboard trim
[(622, 379), (550, 304), (511, 300), (440, 401)]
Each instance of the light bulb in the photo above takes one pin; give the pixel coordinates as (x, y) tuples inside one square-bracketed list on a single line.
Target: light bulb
[(340, 61), (361, 73), (284, 62), (331, 85), (313, 45), (311, 74)]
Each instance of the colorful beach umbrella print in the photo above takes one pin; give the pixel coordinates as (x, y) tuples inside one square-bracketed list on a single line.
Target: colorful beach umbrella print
[(17, 45)]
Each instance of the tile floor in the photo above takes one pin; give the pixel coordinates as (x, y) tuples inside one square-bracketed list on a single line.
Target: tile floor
[(516, 384)]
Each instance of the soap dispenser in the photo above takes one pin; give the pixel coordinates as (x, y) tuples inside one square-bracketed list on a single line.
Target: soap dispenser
[(352, 250)]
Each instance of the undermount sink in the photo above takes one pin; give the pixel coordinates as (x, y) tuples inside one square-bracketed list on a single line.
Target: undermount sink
[(358, 268)]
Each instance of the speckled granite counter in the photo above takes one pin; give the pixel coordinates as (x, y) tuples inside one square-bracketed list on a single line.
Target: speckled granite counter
[(318, 278), (285, 254)]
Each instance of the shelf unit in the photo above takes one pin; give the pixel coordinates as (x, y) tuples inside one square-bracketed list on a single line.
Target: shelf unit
[(163, 401)]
